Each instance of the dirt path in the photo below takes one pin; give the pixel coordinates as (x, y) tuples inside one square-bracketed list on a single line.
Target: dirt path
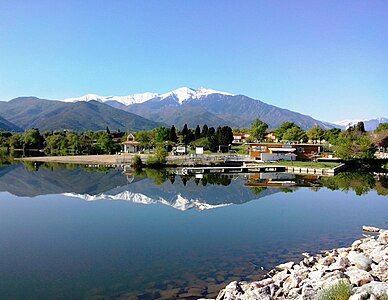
[(85, 159)]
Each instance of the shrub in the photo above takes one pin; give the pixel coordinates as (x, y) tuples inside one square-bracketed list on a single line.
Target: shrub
[(136, 162), (159, 158), (339, 291)]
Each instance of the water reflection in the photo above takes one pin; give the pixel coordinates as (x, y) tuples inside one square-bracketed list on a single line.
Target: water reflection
[(33, 179), (58, 247)]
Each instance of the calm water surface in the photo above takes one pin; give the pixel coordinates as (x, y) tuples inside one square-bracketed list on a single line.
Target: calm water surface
[(87, 234)]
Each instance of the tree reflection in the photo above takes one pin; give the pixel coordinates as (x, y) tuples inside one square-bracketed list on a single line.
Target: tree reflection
[(360, 183)]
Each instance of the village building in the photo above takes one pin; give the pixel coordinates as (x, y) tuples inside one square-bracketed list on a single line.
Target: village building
[(130, 145), (239, 138), (270, 135), (280, 151)]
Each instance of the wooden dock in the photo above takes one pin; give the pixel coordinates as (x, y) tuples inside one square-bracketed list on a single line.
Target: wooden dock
[(225, 169)]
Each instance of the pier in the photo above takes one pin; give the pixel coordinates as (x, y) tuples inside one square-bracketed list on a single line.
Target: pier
[(226, 169)]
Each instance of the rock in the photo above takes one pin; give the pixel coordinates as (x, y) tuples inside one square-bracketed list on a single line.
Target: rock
[(380, 271), (370, 229), (326, 261), (263, 282), (285, 266), (364, 265), (331, 278), (369, 246), (232, 291), (356, 244), (291, 282), (362, 296), (358, 277), (383, 237), (308, 292), (377, 254), (375, 288), (360, 260), (316, 275), (278, 278)]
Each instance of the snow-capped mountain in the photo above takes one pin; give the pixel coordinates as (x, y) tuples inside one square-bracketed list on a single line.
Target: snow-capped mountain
[(204, 106), (369, 124), (181, 95), (126, 100), (180, 202)]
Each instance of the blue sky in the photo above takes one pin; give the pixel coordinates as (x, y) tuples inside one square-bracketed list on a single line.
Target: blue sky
[(327, 59)]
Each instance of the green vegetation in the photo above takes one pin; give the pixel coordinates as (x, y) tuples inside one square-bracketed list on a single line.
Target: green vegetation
[(158, 158), (355, 144), (339, 291), (288, 131), (137, 162), (360, 183), (258, 129)]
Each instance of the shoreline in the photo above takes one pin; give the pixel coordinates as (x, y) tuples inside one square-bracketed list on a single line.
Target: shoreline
[(362, 267), (103, 159)]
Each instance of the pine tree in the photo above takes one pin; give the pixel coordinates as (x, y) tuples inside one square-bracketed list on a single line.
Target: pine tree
[(172, 136), (185, 132), (205, 131), (197, 133)]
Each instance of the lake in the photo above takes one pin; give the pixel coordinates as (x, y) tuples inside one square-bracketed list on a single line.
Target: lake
[(82, 233)]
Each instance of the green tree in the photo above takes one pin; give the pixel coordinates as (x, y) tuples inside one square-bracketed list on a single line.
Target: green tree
[(295, 134), (197, 132), (351, 145), (104, 142), (54, 144), (32, 139), (258, 129), (16, 142), (360, 127), (205, 131), (184, 134), (315, 133), (144, 138), (282, 129), (331, 135), (159, 157), (381, 127), (161, 134), (173, 136)]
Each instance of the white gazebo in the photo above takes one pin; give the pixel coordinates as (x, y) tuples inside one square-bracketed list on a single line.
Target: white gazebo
[(130, 145)]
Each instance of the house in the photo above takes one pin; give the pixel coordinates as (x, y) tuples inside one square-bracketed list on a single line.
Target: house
[(239, 138), (270, 135), (130, 145), (280, 151), (179, 150)]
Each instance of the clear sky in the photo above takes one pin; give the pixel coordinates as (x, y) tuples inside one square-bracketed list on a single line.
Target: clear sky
[(327, 59)]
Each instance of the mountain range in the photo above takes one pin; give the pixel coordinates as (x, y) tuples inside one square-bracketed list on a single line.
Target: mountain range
[(369, 125), (47, 115), (204, 106), (149, 110)]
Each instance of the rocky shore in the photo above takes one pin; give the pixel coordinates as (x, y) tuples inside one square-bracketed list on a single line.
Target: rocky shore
[(363, 268)]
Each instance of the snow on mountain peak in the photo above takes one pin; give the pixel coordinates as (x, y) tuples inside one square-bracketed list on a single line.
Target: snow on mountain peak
[(182, 94), (180, 202), (88, 97), (126, 100), (370, 124)]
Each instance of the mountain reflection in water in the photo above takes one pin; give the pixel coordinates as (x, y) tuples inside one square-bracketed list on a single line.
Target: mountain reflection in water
[(56, 247), (164, 187)]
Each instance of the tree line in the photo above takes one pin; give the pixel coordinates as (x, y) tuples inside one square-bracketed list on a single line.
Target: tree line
[(351, 144)]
